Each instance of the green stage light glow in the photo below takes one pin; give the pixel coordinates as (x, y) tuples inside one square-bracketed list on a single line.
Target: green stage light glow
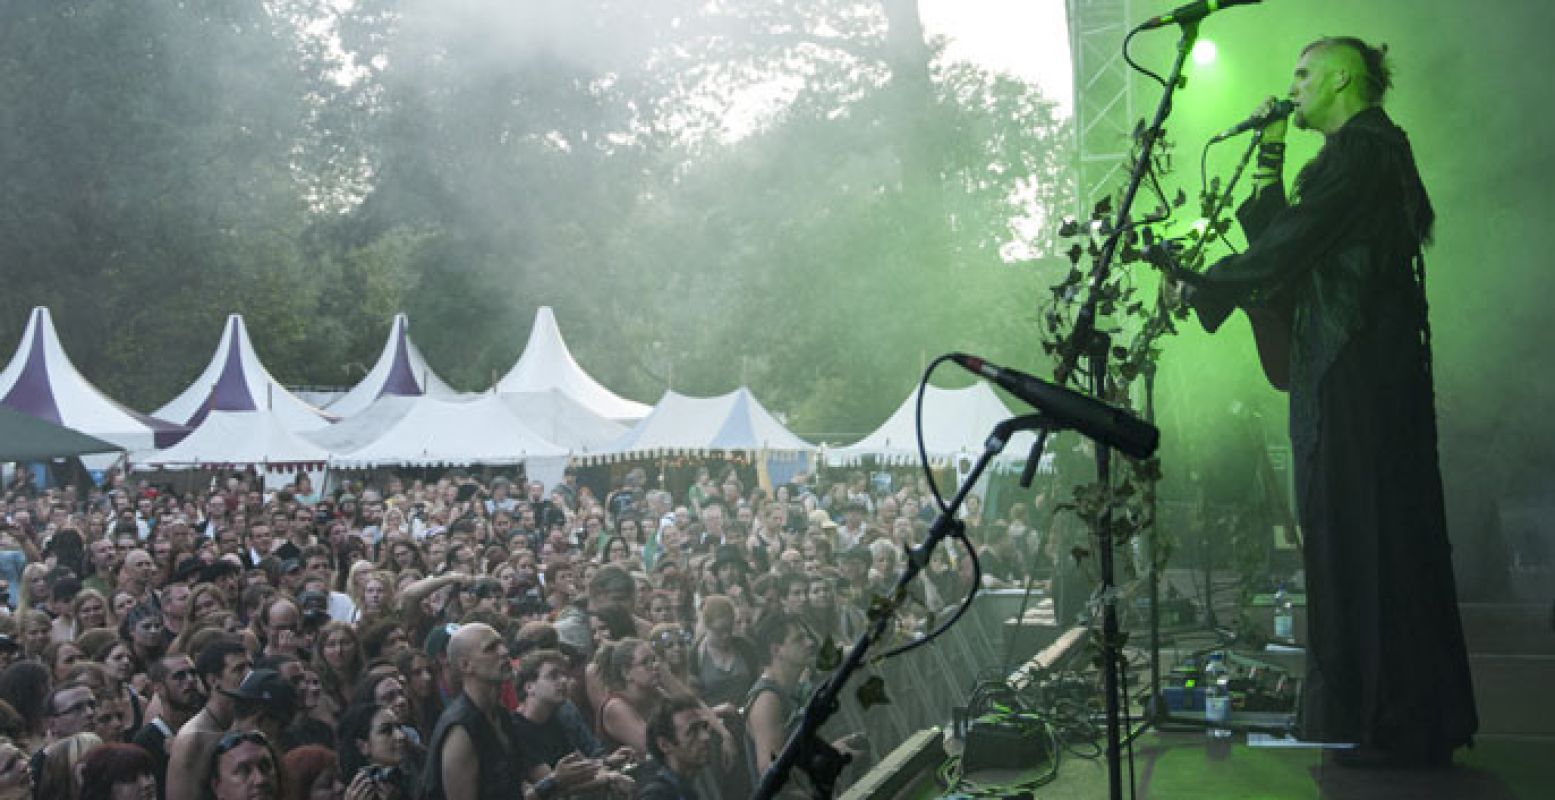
[(1204, 52)]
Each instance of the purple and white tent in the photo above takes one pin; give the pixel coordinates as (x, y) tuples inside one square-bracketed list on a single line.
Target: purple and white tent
[(546, 363), (235, 380), (41, 381), (401, 371)]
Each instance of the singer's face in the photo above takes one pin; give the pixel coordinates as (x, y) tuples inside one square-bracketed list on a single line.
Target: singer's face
[(1304, 89), (1322, 78)]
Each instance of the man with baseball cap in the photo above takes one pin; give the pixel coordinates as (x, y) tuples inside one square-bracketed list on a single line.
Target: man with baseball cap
[(265, 701)]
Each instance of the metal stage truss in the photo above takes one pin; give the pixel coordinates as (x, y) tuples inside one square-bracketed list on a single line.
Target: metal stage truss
[(1104, 113)]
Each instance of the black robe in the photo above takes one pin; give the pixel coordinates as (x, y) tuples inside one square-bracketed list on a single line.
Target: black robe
[(1387, 666)]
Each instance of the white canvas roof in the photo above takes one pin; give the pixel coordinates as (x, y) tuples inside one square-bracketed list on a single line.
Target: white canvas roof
[(546, 363), (435, 433), (956, 422), (365, 426), (563, 420), (41, 380), (235, 380), (238, 438), (401, 371), (732, 422)]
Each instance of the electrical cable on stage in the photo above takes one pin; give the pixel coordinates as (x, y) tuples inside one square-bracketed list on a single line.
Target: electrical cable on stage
[(958, 532)]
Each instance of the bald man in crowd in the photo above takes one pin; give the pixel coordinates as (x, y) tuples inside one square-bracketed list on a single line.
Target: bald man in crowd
[(472, 755)]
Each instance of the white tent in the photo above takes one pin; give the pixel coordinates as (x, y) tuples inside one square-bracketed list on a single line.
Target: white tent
[(435, 433), (563, 420), (697, 425), (956, 423), (235, 380), (41, 381), (226, 439), (365, 426), (401, 371), (546, 363)]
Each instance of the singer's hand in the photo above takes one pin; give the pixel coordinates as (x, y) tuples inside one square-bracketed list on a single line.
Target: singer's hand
[(1274, 131)]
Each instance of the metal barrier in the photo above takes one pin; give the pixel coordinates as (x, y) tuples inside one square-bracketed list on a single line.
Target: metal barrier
[(924, 686)]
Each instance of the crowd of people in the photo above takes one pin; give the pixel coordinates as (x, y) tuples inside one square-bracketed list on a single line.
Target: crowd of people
[(445, 638)]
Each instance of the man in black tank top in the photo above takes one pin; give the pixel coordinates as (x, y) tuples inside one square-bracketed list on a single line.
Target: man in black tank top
[(472, 755)]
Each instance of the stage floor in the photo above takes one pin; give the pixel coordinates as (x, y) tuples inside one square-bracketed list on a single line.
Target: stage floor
[(1168, 766)]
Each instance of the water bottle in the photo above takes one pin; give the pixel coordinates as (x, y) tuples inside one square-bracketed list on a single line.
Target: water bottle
[(1284, 614), (1217, 696)]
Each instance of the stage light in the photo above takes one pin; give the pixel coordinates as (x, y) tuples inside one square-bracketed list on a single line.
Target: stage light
[(1204, 52)]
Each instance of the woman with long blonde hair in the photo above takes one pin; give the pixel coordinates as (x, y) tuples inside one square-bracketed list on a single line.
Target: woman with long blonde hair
[(33, 594), (59, 776), (91, 611), (375, 597)]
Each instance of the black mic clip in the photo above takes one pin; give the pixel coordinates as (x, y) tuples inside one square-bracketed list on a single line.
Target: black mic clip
[(1026, 422)]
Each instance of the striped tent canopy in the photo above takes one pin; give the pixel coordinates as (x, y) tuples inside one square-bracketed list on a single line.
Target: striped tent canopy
[(41, 381), (235, 380), (401, 371)]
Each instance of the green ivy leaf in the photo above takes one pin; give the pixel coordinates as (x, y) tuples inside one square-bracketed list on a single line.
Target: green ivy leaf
[(879, 606), (871, 693), (829, 657)]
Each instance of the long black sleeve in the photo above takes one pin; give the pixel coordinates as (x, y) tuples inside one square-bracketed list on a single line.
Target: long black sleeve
[(1337, 194)]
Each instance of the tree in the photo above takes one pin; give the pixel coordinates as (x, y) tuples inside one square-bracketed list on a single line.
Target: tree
[(152, 155)]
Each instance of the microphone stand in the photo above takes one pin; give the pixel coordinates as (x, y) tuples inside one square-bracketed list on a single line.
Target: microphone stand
[(1085, 342), (804, 748), (1158, 714)]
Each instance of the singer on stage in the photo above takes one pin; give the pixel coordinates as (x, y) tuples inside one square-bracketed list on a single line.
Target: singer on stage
[(1387, 667)]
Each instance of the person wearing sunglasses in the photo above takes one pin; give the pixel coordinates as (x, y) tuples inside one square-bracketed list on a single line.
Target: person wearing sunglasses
[(672, 644), (221, 664), (69, 709), (243, 767), (179, 696)]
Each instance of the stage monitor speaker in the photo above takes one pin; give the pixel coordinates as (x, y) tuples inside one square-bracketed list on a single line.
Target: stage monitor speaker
[(1010, 742), (903, 768)]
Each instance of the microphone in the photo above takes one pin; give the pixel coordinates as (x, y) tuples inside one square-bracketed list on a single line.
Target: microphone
[(1192, 12), (1281, 110), (1109, 426)]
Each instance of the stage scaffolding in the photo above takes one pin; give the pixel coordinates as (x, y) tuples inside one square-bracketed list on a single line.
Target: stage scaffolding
[(1104, 114)]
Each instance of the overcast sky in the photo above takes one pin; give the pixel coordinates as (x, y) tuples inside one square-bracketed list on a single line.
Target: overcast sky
[(1027, 38)]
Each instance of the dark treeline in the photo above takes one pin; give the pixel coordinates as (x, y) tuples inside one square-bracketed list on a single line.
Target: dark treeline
[(169, 162)]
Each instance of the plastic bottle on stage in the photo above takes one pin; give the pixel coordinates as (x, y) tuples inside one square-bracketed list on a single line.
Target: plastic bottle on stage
[(1217, 696), (1284, 614)]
